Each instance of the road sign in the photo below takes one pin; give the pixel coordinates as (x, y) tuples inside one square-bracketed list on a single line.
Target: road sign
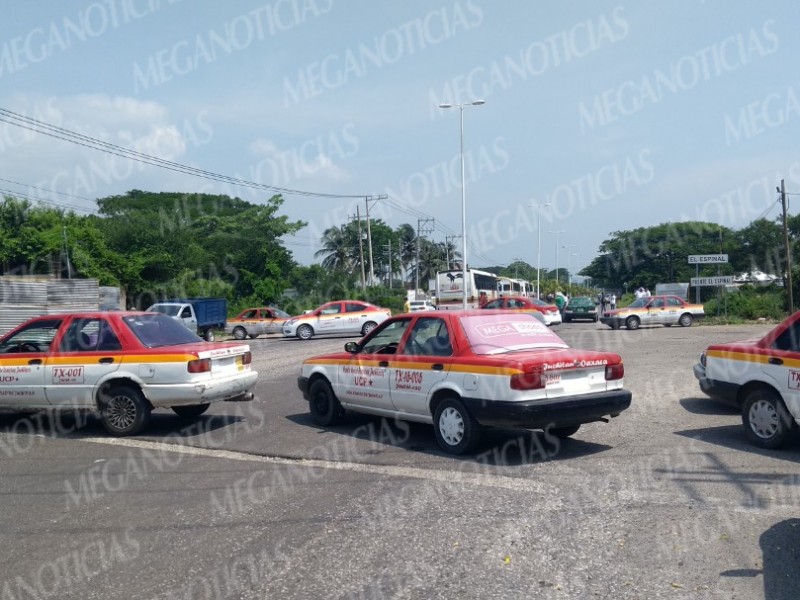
[(711, 281), (708, 259)]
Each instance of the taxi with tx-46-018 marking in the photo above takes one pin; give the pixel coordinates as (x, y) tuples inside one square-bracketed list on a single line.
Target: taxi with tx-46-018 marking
[(462, 370), (762, 378), (120, 364)]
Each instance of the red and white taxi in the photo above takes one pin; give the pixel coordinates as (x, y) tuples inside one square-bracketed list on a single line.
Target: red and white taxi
[(121, 364), (257, 321), (549, 312), (762, 378), (654, 310), (337, 317), (461, 370)]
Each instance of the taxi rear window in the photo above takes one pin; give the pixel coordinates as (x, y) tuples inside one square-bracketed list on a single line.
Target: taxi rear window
[(156, 330), (501, 333)]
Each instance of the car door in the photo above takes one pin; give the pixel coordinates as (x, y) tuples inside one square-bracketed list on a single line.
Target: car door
[(355, 315), (423, 361), (329, 318), (673, 310), (23, 357), (782, 365), (268, 323), (87, 352), (654, 315), (364, 379)]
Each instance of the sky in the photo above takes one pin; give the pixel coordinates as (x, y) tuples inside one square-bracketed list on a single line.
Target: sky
[(598, 117)]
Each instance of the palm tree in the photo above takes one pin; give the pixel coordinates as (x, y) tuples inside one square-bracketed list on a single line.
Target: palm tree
[(337, 249)]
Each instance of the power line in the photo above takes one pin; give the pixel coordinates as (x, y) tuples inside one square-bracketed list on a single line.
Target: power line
[(25, 122)]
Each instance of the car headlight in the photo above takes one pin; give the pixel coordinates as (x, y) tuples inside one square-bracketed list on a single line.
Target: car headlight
[(289, 323)]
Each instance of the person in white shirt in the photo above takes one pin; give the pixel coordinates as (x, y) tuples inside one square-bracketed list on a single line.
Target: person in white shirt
[(613, 301)]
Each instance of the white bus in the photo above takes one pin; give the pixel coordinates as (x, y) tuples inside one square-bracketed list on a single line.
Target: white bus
[(508, 286), (450, 288)]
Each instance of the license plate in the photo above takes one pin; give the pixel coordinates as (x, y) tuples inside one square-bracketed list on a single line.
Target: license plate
[(552, 378)]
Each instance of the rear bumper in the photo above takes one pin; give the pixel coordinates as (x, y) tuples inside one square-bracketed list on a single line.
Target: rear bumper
[(558, 412), (230, 388)]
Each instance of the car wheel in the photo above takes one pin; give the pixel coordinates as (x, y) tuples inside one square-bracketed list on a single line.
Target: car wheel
[(239, 333), (123, 410), (455, 429), (564, 432), (368, 326), (685, 320), (632, 323), (304, 332), (210, 335), (766, 421), (566, 319), (192, 411), (323, 404)]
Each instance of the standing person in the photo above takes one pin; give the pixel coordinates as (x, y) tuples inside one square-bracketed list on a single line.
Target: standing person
[(613, 301), (602, 302), (560, 301), (407, 306), (647, 292), (482, 300)]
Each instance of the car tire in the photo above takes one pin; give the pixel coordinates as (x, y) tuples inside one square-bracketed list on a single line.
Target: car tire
[(632, 323), (564, 432), (239, 333), (123, 410), (567, 319), (686, 320), (305, 332), (209, 335), (323, 404), (456, 430), (192, 411), (766, 421), (368, 326)]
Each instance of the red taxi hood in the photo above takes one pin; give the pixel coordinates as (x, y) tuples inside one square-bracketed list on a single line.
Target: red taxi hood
[(738, 346)]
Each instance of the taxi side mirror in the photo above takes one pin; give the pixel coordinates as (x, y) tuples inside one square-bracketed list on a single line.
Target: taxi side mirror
[(352, 347)]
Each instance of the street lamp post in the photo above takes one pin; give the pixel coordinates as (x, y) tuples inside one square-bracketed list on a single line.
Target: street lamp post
[(463, 197), (557, 232), (569, 267), (538, 242)]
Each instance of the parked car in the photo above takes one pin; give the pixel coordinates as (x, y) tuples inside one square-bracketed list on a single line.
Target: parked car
[(465, 370), (761, 378), (121, 365), (655, 310), (580, 308), (418, 305), (339, 316), (550, 312), (257, 321)]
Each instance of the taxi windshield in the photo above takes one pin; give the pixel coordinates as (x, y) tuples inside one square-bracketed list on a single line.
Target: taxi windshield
[(156, 330), (502, 333), (639, 303)]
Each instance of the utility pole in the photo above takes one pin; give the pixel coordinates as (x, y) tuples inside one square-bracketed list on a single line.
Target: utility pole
[(422, 227), (447, 239), (369, 199), (787, 248), (389, 247), (361, 250), (69, 268)]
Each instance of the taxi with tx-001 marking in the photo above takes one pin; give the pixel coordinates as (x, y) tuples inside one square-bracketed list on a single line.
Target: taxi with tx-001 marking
[(120, 364), (762, 378), (463, 370)]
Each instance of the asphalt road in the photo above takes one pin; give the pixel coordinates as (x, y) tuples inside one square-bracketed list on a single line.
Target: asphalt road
[(254, 501)]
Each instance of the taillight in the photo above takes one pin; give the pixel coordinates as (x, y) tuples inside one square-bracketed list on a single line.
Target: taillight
[(247, 358), (532, 380), (614, 372), (201, 365)]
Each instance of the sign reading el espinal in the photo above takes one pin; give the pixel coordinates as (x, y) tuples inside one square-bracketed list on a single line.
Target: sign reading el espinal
[(707, 259)]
